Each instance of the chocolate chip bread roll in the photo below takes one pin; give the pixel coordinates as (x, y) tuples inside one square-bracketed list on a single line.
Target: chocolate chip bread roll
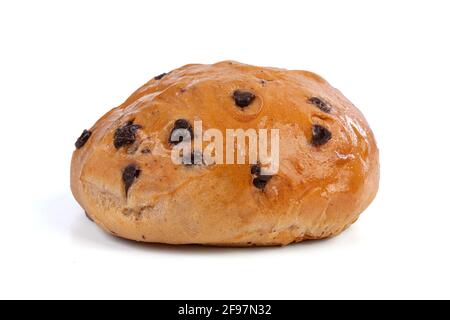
[(124, 175)]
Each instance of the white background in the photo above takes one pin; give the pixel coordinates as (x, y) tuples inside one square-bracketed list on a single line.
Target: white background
[(63, 64)]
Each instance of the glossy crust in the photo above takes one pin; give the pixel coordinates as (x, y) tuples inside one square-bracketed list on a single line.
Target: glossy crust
[(318, 192)]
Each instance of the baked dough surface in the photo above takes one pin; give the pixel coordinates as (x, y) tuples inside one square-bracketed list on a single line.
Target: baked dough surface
[(319, 191)]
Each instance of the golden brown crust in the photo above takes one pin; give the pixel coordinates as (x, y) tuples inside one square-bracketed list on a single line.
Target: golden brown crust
[(318, 192)]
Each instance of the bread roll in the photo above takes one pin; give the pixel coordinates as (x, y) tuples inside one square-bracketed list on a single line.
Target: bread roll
[(124, 176)]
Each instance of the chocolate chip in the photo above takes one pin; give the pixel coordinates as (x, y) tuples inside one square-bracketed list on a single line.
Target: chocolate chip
[(146, 151), (243, 98), (261, 181), (88, 216), (181, 124), (264, 177), (320, 135), (319, 103), (126, 134), (81, 141), (256, 170), (162, 75), (130, 173)]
